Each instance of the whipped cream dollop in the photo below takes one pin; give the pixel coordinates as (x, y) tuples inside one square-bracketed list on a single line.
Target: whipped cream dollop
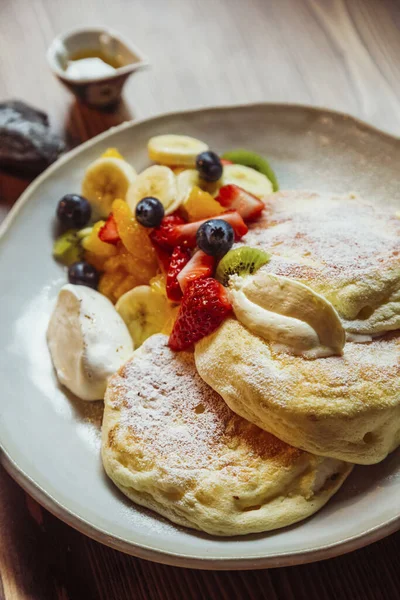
[(289, 314), (88, 341)]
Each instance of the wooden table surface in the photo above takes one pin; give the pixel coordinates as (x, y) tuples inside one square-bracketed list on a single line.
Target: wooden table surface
[(331, 53)]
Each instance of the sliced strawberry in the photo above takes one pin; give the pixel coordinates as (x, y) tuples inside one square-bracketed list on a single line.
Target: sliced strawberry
[(200, 265), (163, 258), (180, 257), (164, 232), (236, 198), (109, 232), (170, 234), (205, 304), (225, 161)]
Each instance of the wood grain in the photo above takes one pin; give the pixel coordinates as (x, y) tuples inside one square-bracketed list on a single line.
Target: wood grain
[(333, 53)]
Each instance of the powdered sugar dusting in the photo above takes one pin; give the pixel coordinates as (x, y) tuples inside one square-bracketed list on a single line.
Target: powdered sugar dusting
[(365, 374), (178, 419), (326, 237)]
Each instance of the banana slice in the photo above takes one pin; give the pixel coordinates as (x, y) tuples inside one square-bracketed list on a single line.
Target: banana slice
[(105, 180), (157, 181), (186, 180), (144, 311), (179, 150), (249, 179)]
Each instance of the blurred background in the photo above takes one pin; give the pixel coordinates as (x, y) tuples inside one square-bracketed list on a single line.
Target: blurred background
[(331, 53)]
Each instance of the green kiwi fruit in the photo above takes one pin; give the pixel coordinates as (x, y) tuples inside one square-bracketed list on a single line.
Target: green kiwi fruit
[(241, 261), (67, 248), (255, 161)]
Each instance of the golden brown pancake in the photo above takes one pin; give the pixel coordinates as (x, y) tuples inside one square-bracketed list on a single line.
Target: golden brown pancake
[(170, 443), (346, 249), (346, 407)]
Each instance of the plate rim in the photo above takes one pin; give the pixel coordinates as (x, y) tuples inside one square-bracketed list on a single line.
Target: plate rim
[(142, 550)]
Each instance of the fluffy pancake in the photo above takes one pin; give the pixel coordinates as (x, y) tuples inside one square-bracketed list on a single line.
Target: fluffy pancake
[(170, 443), (346, 407), (346, 249)]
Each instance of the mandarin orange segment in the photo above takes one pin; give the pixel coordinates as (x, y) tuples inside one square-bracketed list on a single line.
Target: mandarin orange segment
[(109, 282), (134, 237), (92, 243), (95, 260), (126, 284), (200, 205)]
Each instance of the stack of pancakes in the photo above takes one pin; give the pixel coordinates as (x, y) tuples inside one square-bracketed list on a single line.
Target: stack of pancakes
[(242, 438)]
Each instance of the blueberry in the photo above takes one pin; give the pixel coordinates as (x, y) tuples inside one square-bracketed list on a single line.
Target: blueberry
[(74, 211), (149, 212), (215, 237), (81, 273), (209, 166)]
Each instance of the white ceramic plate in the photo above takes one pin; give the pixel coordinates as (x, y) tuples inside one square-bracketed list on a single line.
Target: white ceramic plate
[(50, 442)]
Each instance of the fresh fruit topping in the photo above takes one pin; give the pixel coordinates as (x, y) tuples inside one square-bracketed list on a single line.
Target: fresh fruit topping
[(158, 182), (177, 170), (209, 166), (74, 211), (163, 258), (189, 178), (200, 205), (109, 232), (82, 273), (84, 233), (132, 265), (236, 198), (250, 180), (93, 244), (225, 161), (134, 237), (95, 260), (170, 319), (67, 248), (171, 234), (254, 161), (112, 153), (215, 237), (149, 212), (158, 284), (204, 306), (163, 234), (179, 150), (200, 265), (180, 257), (110, 282), (106, 179), (144, 312), (241, 261)]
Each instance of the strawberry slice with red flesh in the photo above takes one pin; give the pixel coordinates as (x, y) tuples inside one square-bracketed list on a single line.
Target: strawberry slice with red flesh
[(180, 257), (160, 236), (171, 234), (163, 258), (204, 306), (236, 198), (109, 232), (200, 265)]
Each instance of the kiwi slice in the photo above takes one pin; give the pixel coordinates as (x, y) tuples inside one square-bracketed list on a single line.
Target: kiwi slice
[(241, 261), (67, 247), (255, 161)]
